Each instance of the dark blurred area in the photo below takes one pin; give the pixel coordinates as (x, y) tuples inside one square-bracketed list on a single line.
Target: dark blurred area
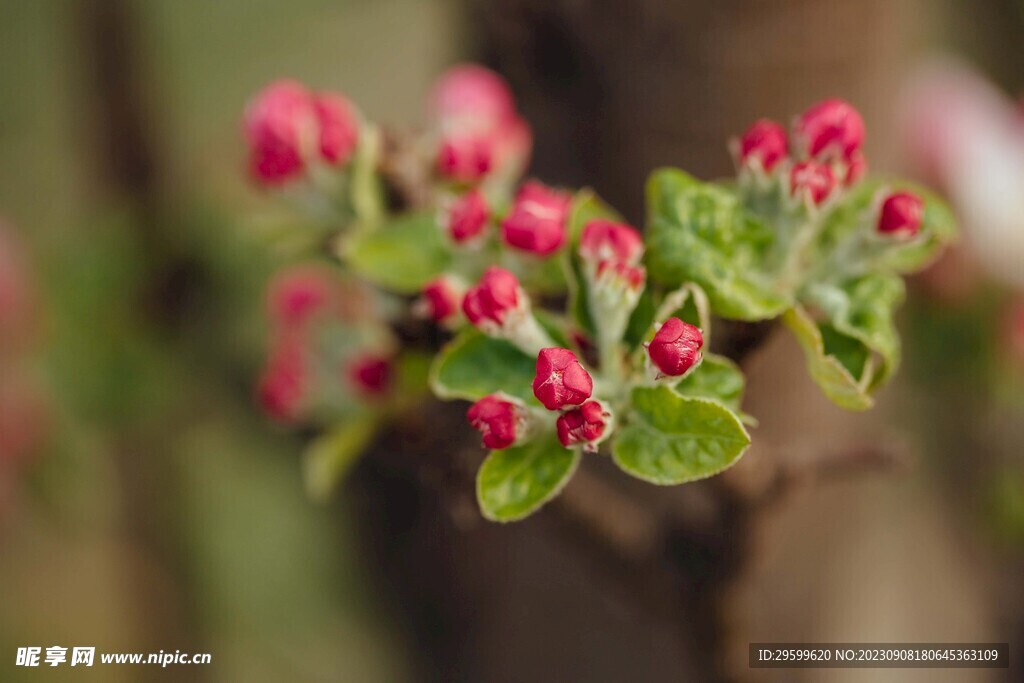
[(146, 504)]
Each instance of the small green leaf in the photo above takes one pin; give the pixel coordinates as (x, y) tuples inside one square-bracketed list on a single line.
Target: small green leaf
[(828, 371), (514, 483), (699, 232), (673, 439), (717, 378), (329, 457), (474, 365), (402, 255)]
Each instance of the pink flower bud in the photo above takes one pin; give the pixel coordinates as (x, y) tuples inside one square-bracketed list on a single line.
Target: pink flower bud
[(560, 380), (536, 222), (584, 425), (902, 213), (493, 299), (765, 141), (621, 275), (339, 127), (499, 420), (813, 179), (276, 121), (830, 129), (856, 169), (607, 241), (283, 385), (676, 347), (467, 216), (469, 92), (369, 374), (465, 158), (441, 299), (297, 294)]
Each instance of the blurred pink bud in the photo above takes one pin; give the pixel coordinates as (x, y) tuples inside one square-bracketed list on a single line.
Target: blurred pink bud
[(283, 386), (812, 178), (441, 300), (765, 141), (297, 294), (561, 380), (498, 419), (23, 418), (339, 127), (604, 240), (465, 158), (470, 91), (468, 216), (537, 221), (856, 169), (369, 374), (830, 129), (584, 425), (622, 276), (492, 301), (902, 213), (676, 347)]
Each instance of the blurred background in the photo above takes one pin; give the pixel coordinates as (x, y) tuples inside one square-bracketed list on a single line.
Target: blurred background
[(146, 504)]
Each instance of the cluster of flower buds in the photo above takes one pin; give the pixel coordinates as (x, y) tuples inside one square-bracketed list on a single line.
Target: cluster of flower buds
[(290, 128), (304, 303), (480, 133)]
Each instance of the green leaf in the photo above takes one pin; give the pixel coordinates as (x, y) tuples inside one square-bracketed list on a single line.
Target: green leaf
[(699, 232), (329, 457), (514, 483), (673, 439), (863, 309), (474, 365), (828, 371), (402, 255), (717, 378)]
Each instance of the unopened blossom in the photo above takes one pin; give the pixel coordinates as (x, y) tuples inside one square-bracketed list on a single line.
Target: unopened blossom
[(560, 379), (676, 347)]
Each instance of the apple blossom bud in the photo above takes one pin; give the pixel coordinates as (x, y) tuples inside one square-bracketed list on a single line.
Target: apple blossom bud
[(500, 419), (902, 213), (536, 222), (369, 374), (339, 127), (620, 277), (491, 302), (465, 158), (764, 141), (813, 180), (472, 92), (830, 129), (283, 385), (561, 380), (441, 300), (856, 169), (585, 425), (603, 240), (676, 347), (468, 216), (276, 123), (297, 294)]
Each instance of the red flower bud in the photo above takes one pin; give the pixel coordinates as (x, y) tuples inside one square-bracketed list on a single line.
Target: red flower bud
[(467, 216), (584, 425), (275, 124), (441, 299), (283, 385), (765, 141), (829, 129), (369, 374), (491, 301), (902, 213), (607, 241), (339, 127), (621, 274), (812, 178), (472, 93), (856, 169), (537, 220), (560, 380), (297, 294), (676, 347), (465, 158), (497, 419)]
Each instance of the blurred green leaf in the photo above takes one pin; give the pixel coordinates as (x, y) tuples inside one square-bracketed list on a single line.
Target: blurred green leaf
[(514, 483), (474, 365), (402, 255), (328, 458)]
